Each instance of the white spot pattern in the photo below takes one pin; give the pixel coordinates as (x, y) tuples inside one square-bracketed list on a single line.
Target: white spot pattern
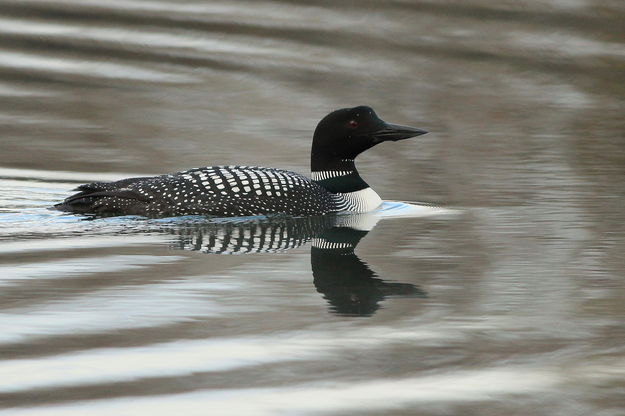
[(216, 190), (223, 191)]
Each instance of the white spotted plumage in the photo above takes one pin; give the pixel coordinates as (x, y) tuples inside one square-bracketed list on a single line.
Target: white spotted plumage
[(228, 191), (220, 191)]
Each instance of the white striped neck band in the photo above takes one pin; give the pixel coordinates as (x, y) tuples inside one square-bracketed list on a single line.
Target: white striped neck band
[(325, 244), (327, 174)]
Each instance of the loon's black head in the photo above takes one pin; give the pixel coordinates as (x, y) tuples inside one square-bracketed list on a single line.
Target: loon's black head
[(344, 134)]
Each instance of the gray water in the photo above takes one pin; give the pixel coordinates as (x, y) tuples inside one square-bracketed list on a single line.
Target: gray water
[(509, 302)]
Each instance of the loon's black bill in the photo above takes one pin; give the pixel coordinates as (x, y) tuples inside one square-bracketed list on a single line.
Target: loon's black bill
[(396, 132)]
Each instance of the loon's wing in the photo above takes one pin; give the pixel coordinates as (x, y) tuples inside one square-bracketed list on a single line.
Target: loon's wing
[(90, 195), (223, 191)]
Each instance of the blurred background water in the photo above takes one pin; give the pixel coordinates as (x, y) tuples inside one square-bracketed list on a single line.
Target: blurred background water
[(512, 304)]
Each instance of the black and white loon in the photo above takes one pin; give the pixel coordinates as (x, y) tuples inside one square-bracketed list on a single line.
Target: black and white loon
[(229, 191)]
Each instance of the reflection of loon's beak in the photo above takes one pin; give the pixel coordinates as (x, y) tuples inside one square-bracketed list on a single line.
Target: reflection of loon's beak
[(395, 132)]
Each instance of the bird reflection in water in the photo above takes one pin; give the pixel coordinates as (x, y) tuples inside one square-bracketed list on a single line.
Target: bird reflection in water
[(346, 282)]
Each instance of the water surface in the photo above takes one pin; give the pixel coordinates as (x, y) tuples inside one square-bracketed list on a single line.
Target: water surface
[(509, 301)]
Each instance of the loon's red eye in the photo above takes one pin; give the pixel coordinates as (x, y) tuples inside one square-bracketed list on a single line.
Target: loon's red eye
[(352, 124)]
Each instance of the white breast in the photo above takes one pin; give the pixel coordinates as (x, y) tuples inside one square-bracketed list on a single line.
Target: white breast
[(364, 200)]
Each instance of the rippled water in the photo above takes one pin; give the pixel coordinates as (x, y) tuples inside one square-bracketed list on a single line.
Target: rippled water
[(508, 301)]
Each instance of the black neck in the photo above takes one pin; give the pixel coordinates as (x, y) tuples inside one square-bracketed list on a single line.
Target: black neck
[(343, 184), (336, 175), (321, 162)]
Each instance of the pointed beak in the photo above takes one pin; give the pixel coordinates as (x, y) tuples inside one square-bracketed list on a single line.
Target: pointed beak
[(396, 132)]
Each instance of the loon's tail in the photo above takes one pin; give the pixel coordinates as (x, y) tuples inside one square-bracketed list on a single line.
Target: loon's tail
[(95, 198)]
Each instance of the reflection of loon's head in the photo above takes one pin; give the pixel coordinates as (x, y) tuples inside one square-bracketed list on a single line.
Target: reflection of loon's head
[(361, 296), (348, 284)]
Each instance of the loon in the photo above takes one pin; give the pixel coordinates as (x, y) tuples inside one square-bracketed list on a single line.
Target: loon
[(233, 191)]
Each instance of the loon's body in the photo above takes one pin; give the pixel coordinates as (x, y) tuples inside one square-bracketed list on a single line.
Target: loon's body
[(228, 191)]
